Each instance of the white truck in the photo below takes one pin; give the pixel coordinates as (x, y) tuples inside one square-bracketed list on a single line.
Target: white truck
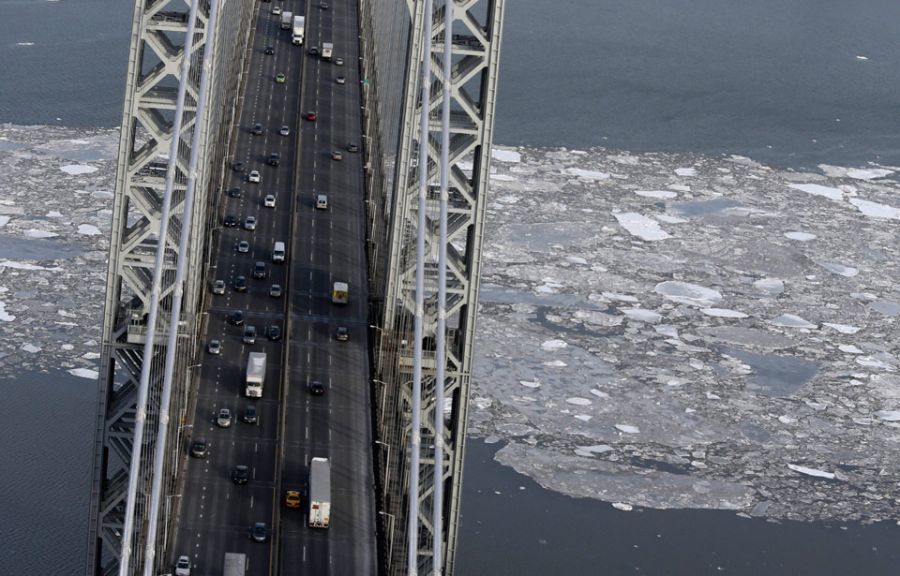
[(256, 375), (327, 49), (287, 19), (319, 493), (299, 30), (235, 564)]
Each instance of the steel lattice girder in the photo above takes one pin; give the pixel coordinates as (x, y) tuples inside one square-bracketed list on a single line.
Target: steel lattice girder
[(155, 59), (473, 83)]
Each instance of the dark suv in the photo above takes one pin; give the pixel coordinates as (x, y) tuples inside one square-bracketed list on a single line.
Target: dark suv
[(257, 129), (274, 159), (259, 270), (240, 474), (235, 319), (199, 448)]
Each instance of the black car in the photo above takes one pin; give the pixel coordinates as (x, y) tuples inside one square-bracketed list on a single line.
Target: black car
[(316, 388), (257, 129), (199, 448), (274, 159), (240, 474), (238, 166), (270, 50), (259, 532), (235, 319), (249, 416), (240, 284), (313, 51), (342, 334), (230, 220), (351, 147), (259, 270), (234, 192), (274, 332)]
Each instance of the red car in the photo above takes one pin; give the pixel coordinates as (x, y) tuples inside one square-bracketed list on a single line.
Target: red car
[(311, 116)]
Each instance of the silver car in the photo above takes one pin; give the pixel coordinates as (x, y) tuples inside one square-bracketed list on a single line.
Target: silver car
[(215, 347), (224, 419), (183, 566), (218, 287), (254, 176), (250, 223), (243, 247)]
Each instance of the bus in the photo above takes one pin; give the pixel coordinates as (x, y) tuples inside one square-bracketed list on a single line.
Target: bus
[(340, 294)]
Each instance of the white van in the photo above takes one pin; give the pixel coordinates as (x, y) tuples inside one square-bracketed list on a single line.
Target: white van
[(322, 202), (278, 252)]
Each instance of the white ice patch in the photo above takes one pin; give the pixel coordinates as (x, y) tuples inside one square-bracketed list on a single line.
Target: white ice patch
[(769, 286), (858, 57), (660, 194), (842, 328), (595, 449), (84, 373), (26, 266), (622, 506), (577, 401), (686, 171), (723, 313), (628, 429), (819, 190), (77, 169), (576, 260), (686, 293), (88, 230), (669, 219), (643, 315), (641, 226), (530, 383), (589, 174), (4, 315), (35, 233), (620, 297), (551, 345), (855, 173), (505, 155), (849, 349), (872, 362), (667, 330), (555, 364), (792, 321), (31, 348), (811, 471), (876, 210), (800, 236), (840, 269), (889, 415), (4, 220)]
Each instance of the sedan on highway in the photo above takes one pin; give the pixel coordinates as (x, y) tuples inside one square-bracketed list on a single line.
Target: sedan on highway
[(351, 147), (340, 80), (243, 247), (218, 287), (200, 448), (280, 78), (274, 332), (276, 10), (250, 223), (311, 115), (337, 155), (269, 201), (259, 532), (316, 388), (257, 129), (339, 61), (183, 566), (237, 318), (238, 166), (240, 475), (342, 334), (253, 177), (270, 50), (292, 499), (215, 347), (230, 221), (249, 416), (285, 130), (275, 291), (240, 284), (224, 418), (234, 192)]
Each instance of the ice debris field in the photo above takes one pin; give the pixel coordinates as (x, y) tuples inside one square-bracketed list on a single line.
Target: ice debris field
[(655, 330)]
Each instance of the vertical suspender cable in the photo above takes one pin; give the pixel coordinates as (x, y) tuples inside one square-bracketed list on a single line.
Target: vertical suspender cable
[(416, 438), (171, 344), (440, 341), (155, 291)]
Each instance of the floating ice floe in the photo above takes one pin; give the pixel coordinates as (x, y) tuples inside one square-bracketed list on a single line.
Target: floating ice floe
[(849, 349), (555, 364), (576, 260), (641, 226), (35, 233), (669, 219), (628, 429), (27, 266), (4, 220), (872, 362), (577, 401), (659, 194), (589, 174), (889, 415), (819, 190), (88, 230), (876, 210), (811, 471), (530, 383), (686, 171), (840, 269), (554, 344), (620, 297), (842, 328), (643, 315), (855, 173), (84, 373), (4, 315), (723, 313), (686, 293), (77, 169), (792, 321), (622, 506), (769, 286), (31, 348), (858, 57), (502, 155), (800, 236)]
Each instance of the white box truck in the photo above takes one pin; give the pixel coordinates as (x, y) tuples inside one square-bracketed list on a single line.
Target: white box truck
[(256, 375), (340, 293), (287, 19), (278, 252), (235, 564), (319, 493), (299, 30), (327, 49)]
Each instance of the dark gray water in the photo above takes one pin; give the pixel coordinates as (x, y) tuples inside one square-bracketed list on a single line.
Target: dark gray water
[(777, 80)]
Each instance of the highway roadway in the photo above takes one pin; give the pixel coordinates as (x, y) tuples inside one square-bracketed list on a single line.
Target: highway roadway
[(323, 246)]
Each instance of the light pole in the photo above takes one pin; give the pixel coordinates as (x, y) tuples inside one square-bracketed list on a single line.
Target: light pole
[(387, 469), (381, 406), (391, 537)]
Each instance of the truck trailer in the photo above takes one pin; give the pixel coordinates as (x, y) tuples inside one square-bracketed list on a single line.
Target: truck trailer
[(319, 493), (287, 19), (299, 30), (235, 564), (256, 375), (327, 49)]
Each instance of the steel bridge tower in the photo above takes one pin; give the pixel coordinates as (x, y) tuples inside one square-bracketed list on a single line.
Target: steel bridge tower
[(395, 35), (184, 72)]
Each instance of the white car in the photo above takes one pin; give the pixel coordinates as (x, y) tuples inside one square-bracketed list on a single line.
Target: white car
[(250, 223), (276, 10), (285, 130), (243, 247), (183, 566), (340, 80), (254, 176), (269, 201), (215, 347), (218, 287)]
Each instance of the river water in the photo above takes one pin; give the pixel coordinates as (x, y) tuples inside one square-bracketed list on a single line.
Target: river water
[(787, 82)]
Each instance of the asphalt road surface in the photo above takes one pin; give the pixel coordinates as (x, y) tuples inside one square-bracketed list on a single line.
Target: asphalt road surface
[(323, 246)]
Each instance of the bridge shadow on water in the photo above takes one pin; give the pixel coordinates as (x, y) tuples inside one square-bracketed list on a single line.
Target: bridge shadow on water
[(510, 525)]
